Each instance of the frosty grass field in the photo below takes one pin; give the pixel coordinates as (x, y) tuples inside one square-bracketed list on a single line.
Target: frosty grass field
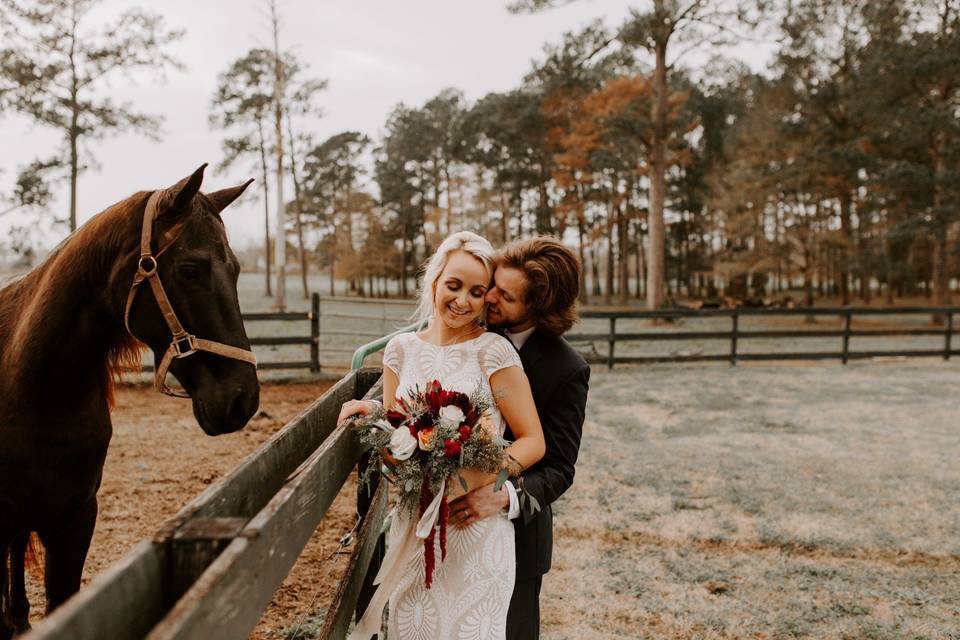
[(786, 501)]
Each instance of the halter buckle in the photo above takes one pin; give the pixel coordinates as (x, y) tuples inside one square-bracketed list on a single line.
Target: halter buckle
[(147, 266), (184, 346)]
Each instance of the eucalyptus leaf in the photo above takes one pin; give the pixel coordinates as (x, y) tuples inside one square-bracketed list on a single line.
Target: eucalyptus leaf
[(408, 486), (534, 504), (463, 483), (502, 477)]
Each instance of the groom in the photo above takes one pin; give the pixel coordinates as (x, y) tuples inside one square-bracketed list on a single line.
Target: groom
[(533, 303)]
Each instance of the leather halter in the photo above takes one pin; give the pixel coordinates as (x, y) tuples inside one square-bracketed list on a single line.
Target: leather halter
[(182, 344)]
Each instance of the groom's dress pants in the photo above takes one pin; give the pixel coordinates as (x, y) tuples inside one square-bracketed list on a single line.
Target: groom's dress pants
[(523, 618)]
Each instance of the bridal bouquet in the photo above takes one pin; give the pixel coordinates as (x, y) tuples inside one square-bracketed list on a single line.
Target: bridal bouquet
[(422, 445)]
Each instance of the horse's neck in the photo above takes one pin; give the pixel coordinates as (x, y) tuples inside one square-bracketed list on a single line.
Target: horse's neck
[(68, 320)]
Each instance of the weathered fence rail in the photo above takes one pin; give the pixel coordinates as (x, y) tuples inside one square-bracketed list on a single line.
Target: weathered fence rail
[(312, 340), (211, 570), (336, 325), (735, 336)]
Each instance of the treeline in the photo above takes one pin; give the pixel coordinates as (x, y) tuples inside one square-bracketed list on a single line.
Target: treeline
[(833, 173)]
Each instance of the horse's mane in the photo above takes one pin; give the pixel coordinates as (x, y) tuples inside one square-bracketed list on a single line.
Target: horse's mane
[(94, 247)]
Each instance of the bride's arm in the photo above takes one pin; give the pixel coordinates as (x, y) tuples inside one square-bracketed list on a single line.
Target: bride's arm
[(511, 392), (390, 384)]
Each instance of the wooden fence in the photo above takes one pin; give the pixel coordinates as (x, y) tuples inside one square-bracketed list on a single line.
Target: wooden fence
[(347, 321), (313, 340), (735, 336), (335, 326), (211, 571)]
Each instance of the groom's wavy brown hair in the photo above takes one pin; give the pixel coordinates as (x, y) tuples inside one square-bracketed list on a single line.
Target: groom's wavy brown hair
[(553, 280)]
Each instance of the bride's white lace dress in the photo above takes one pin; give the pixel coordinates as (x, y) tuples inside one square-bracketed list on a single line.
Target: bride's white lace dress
[(471, 589)]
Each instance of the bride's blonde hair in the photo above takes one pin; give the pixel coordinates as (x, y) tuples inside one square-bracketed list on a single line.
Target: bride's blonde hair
[(466, 241)]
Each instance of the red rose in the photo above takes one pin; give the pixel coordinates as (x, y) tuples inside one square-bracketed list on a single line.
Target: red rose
[(451, 448), (465, 432), (432, 395)]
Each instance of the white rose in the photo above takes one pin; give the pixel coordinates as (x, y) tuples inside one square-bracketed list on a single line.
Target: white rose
[(452, 413), (402, 443)]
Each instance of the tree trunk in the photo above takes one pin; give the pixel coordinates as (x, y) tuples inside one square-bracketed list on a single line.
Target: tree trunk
[(266, 203), (74, 168), (658, 154), (890, 273), (298, 211), (403, 262), (504, 217), (332, 254), (544, 214), (74, 132), (583, 260), (844, 253), (595, 270), (941, 250), (348, 229), (640, 258), (622, 236), (608, 289), (281, 235)]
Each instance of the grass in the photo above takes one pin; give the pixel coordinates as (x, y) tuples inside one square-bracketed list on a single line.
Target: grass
[(811, 501)]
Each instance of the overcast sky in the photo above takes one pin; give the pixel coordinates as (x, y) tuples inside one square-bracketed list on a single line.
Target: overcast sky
[(374, 54)]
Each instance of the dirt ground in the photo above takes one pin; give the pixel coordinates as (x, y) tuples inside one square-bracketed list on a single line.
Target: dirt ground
[(159, 459)]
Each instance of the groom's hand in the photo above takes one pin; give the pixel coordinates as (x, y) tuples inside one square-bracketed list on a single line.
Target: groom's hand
[(354, 408), (478, 504)]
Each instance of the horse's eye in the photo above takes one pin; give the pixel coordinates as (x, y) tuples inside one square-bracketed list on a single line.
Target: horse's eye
[(190, 271)]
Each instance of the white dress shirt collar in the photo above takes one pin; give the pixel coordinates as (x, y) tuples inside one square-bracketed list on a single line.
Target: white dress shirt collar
[(520, 338)]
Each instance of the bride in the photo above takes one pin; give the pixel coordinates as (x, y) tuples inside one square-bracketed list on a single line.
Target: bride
[(471, 589)]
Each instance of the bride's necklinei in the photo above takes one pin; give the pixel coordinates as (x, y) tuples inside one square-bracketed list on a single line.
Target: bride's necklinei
[(460, 338)]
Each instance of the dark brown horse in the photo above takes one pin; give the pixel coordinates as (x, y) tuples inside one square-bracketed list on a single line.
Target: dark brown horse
[(63, 340)]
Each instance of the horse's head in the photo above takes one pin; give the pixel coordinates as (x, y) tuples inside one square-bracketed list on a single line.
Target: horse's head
[(199, 273)]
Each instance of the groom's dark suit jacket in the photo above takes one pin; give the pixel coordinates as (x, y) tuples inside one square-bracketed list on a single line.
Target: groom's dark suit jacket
[(559, 377)]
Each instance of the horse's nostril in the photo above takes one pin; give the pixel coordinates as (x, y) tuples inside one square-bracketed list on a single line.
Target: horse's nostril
[(240, 408)]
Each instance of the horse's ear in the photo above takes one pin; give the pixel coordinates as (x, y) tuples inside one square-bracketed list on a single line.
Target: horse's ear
[(177, 197), (221, 199)]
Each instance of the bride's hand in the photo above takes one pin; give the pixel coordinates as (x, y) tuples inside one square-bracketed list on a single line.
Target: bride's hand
[(355, 409)]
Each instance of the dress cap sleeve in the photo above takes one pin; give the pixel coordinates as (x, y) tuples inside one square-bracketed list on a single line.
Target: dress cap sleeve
[(393, 354), (497, 353)]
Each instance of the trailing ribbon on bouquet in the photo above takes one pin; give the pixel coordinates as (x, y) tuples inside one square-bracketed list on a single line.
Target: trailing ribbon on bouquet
[(399, 555)]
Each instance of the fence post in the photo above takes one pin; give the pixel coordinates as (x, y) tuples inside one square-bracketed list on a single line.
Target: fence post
[(733, 338), (848, 316), (315, 332), (612, 341), (949, 336)]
